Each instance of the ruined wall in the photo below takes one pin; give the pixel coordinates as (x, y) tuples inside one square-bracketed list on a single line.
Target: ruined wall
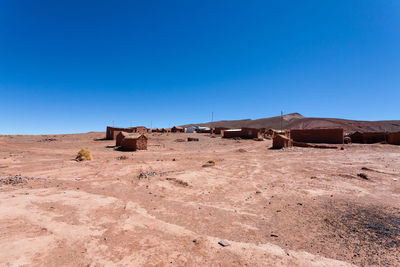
[(328, 136)]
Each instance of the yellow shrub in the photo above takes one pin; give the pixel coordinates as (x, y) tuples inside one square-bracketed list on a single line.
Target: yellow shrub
[(83, 154)]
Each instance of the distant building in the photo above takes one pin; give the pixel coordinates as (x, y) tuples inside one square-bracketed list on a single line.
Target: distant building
[(244, 133), (203, 130), (368, 137), (328, 136), (112, 132), (231, 133), (190, 129), (217, 130), (177, 129), (250, 133)]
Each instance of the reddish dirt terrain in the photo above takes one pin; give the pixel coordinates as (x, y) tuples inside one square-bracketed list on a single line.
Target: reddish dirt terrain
[(160, 207)]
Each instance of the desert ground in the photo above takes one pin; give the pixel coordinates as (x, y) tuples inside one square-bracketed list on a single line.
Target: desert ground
[(160, 207)]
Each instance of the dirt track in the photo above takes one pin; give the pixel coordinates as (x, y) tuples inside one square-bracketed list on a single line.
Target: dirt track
[(301, 206)]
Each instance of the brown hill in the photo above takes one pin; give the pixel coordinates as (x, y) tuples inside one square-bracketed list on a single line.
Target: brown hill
[(298, 121)]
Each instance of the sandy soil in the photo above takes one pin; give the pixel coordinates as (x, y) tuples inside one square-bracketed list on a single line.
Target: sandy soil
[(294, 207)]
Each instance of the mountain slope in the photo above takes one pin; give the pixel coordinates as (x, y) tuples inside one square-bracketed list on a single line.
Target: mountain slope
[(297, 121)]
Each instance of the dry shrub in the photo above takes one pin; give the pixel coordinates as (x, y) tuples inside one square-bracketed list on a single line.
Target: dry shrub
[(83, 155), (241, 150), (122, 157), (209, 163)]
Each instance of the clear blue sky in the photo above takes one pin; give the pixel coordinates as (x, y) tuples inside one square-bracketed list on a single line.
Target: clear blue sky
[(75, 66)]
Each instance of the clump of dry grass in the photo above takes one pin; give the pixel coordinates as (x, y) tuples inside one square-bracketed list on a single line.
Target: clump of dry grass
[(122, 157), (209, 163), (83, 155)]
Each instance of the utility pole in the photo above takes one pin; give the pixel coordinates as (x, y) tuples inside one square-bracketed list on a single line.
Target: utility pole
[(281, 120)]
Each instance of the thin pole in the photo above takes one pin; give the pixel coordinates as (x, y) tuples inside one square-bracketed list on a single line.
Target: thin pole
[(281, 120)]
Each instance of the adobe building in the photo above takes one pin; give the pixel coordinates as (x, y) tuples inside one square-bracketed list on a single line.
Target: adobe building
[(218, 130), (394, 138), (134, 142), (120, 136), (251, 133), (176, 129), (139, 129), (368, 137), (111, 132), (357, 137), (165, 130), (280, 141), (231, 133), (327, 136), (244, 133)]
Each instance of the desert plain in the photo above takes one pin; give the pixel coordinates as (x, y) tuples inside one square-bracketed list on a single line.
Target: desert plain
[(161, 207)]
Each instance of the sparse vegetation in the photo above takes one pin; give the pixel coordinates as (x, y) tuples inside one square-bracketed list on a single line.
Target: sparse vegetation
[(83, 155), (122, 158)]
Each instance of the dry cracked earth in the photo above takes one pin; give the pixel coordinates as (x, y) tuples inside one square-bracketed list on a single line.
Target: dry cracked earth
[(160, 207)]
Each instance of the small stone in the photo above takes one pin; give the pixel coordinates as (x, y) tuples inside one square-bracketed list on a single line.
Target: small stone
[(363, 175), (273, 235), (223, 243)]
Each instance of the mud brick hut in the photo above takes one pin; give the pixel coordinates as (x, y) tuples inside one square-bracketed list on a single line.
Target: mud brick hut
[(176, 129), (120, 136), (111, 132), (244, 133), (155, 130), (280, 141), (251, 133), (231, 133), (368, 137), (204, 130), (134, 142), (139, 129), (327, 136), (394, 138), (165, 130), (218, 130)]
